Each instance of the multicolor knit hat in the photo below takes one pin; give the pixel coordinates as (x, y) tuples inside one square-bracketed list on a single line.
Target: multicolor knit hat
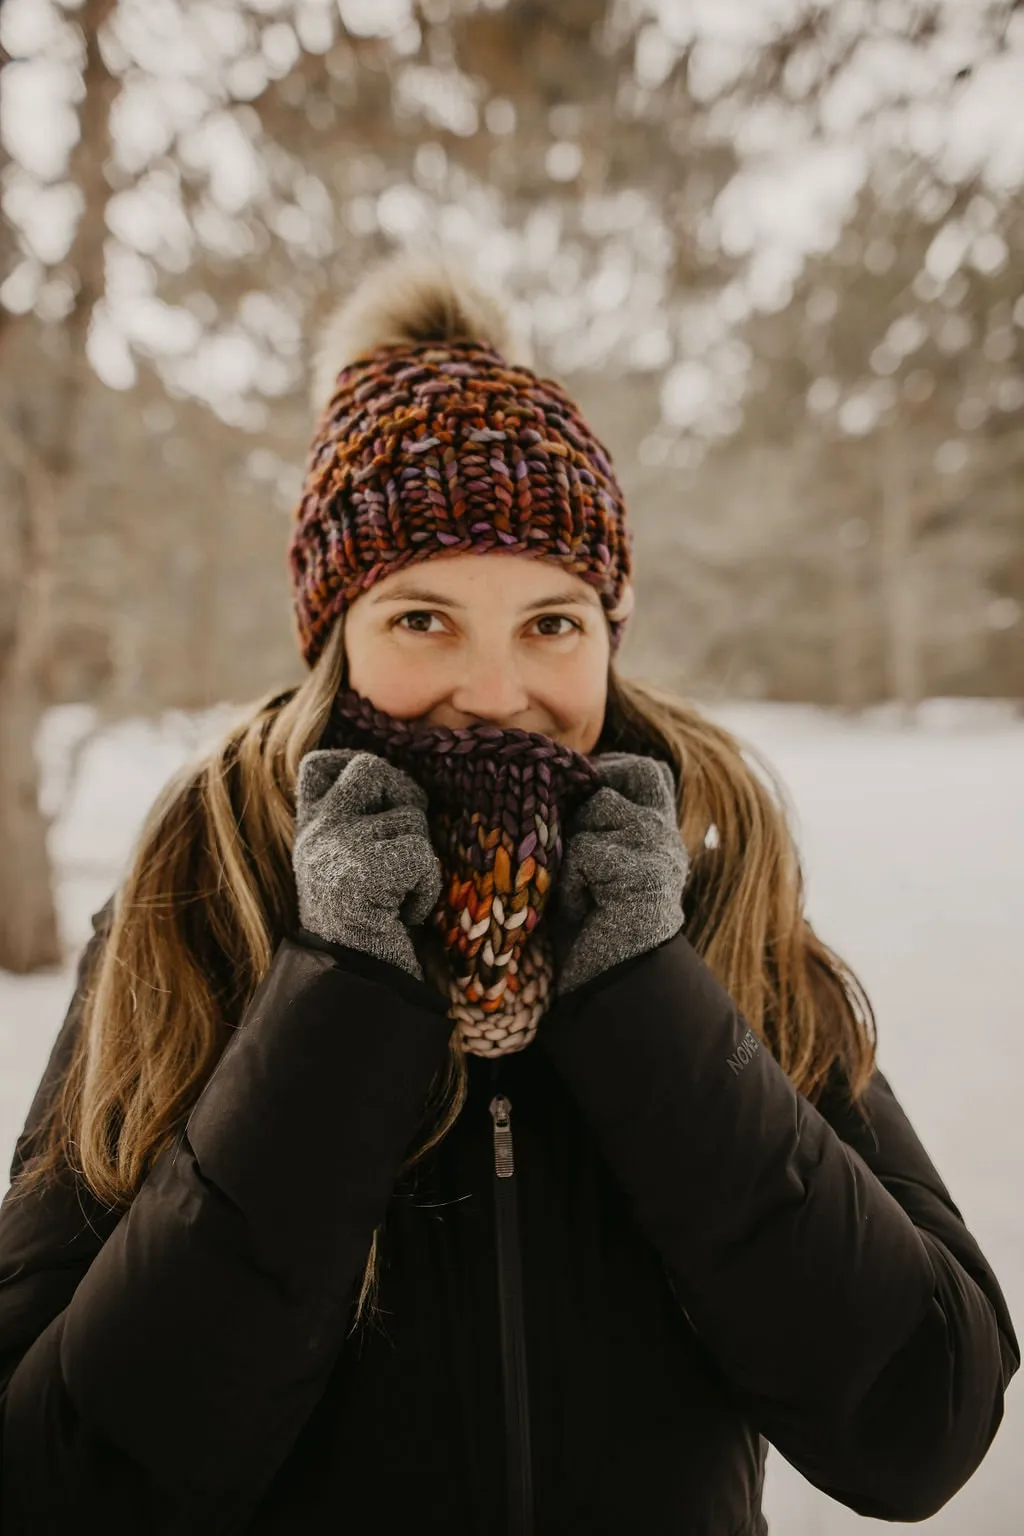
[(437, 439)]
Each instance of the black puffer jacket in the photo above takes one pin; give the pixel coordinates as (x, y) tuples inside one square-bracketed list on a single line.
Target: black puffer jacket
[(703, 1262)]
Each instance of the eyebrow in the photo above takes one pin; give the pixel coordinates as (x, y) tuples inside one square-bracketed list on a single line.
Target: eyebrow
[(424, 595)]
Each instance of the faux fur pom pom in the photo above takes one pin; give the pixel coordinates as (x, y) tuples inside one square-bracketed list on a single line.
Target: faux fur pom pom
[(408, 298)]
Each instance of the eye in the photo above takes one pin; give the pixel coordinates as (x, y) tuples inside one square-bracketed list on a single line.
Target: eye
[(560, 618), (417, 613)]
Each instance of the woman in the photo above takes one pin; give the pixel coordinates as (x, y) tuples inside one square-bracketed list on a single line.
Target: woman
[(404, 1160)]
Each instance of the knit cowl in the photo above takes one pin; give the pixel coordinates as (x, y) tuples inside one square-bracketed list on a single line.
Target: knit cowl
[(497, 803)]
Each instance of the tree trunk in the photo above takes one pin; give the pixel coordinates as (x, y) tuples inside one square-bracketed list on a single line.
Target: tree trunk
[(900, 581), (29, 934), (848, 634), (39, 458)]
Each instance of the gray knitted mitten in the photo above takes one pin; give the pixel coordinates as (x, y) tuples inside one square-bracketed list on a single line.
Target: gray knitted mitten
[(365, 868), (619, 891)]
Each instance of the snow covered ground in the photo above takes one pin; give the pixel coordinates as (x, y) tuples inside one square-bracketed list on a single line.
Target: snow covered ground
[(914, 846)]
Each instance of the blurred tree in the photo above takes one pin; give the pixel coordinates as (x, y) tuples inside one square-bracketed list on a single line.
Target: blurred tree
[(906, 370), (40, 416)]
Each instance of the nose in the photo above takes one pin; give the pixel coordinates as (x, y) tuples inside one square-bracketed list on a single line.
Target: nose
[(490, 689)]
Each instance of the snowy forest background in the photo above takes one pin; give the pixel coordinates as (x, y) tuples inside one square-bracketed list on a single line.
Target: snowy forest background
[(773, 247)]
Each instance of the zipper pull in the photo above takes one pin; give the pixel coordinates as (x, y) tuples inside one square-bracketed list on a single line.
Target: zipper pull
[(501, 1114)]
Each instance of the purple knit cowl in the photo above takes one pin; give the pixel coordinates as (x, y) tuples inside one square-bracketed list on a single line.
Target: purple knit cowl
[(498, 801)]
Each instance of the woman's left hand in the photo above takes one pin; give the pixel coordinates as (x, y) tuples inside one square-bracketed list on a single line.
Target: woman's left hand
[(619, 891)]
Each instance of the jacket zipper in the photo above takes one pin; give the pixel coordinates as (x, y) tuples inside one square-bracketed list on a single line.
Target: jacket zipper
[(519, 1470)]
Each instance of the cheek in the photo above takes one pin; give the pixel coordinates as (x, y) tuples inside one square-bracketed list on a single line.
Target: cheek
[(397, 683), (578, 698)]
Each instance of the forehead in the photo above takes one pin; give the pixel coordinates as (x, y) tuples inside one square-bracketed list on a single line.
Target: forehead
[(494, 573)]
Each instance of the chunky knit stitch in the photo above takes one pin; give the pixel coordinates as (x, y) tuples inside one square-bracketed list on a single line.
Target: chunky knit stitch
[(445, 447), (497, 803)]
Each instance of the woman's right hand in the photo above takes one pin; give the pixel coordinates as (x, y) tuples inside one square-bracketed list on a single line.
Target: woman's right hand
[(365, 868)]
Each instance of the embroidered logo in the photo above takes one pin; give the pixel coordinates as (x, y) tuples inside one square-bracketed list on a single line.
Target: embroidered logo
[(745, 1052)]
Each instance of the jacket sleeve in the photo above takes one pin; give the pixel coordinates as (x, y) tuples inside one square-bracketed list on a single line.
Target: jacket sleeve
[(156, 1366), (825, 1268)]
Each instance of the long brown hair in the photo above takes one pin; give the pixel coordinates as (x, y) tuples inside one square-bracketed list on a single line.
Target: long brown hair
[(209, 893)]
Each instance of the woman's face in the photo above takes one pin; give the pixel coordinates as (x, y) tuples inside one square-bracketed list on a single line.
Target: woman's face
[(509, 640)]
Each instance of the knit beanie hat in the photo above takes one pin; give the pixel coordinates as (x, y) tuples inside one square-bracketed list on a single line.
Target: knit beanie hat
[(437, 438)]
